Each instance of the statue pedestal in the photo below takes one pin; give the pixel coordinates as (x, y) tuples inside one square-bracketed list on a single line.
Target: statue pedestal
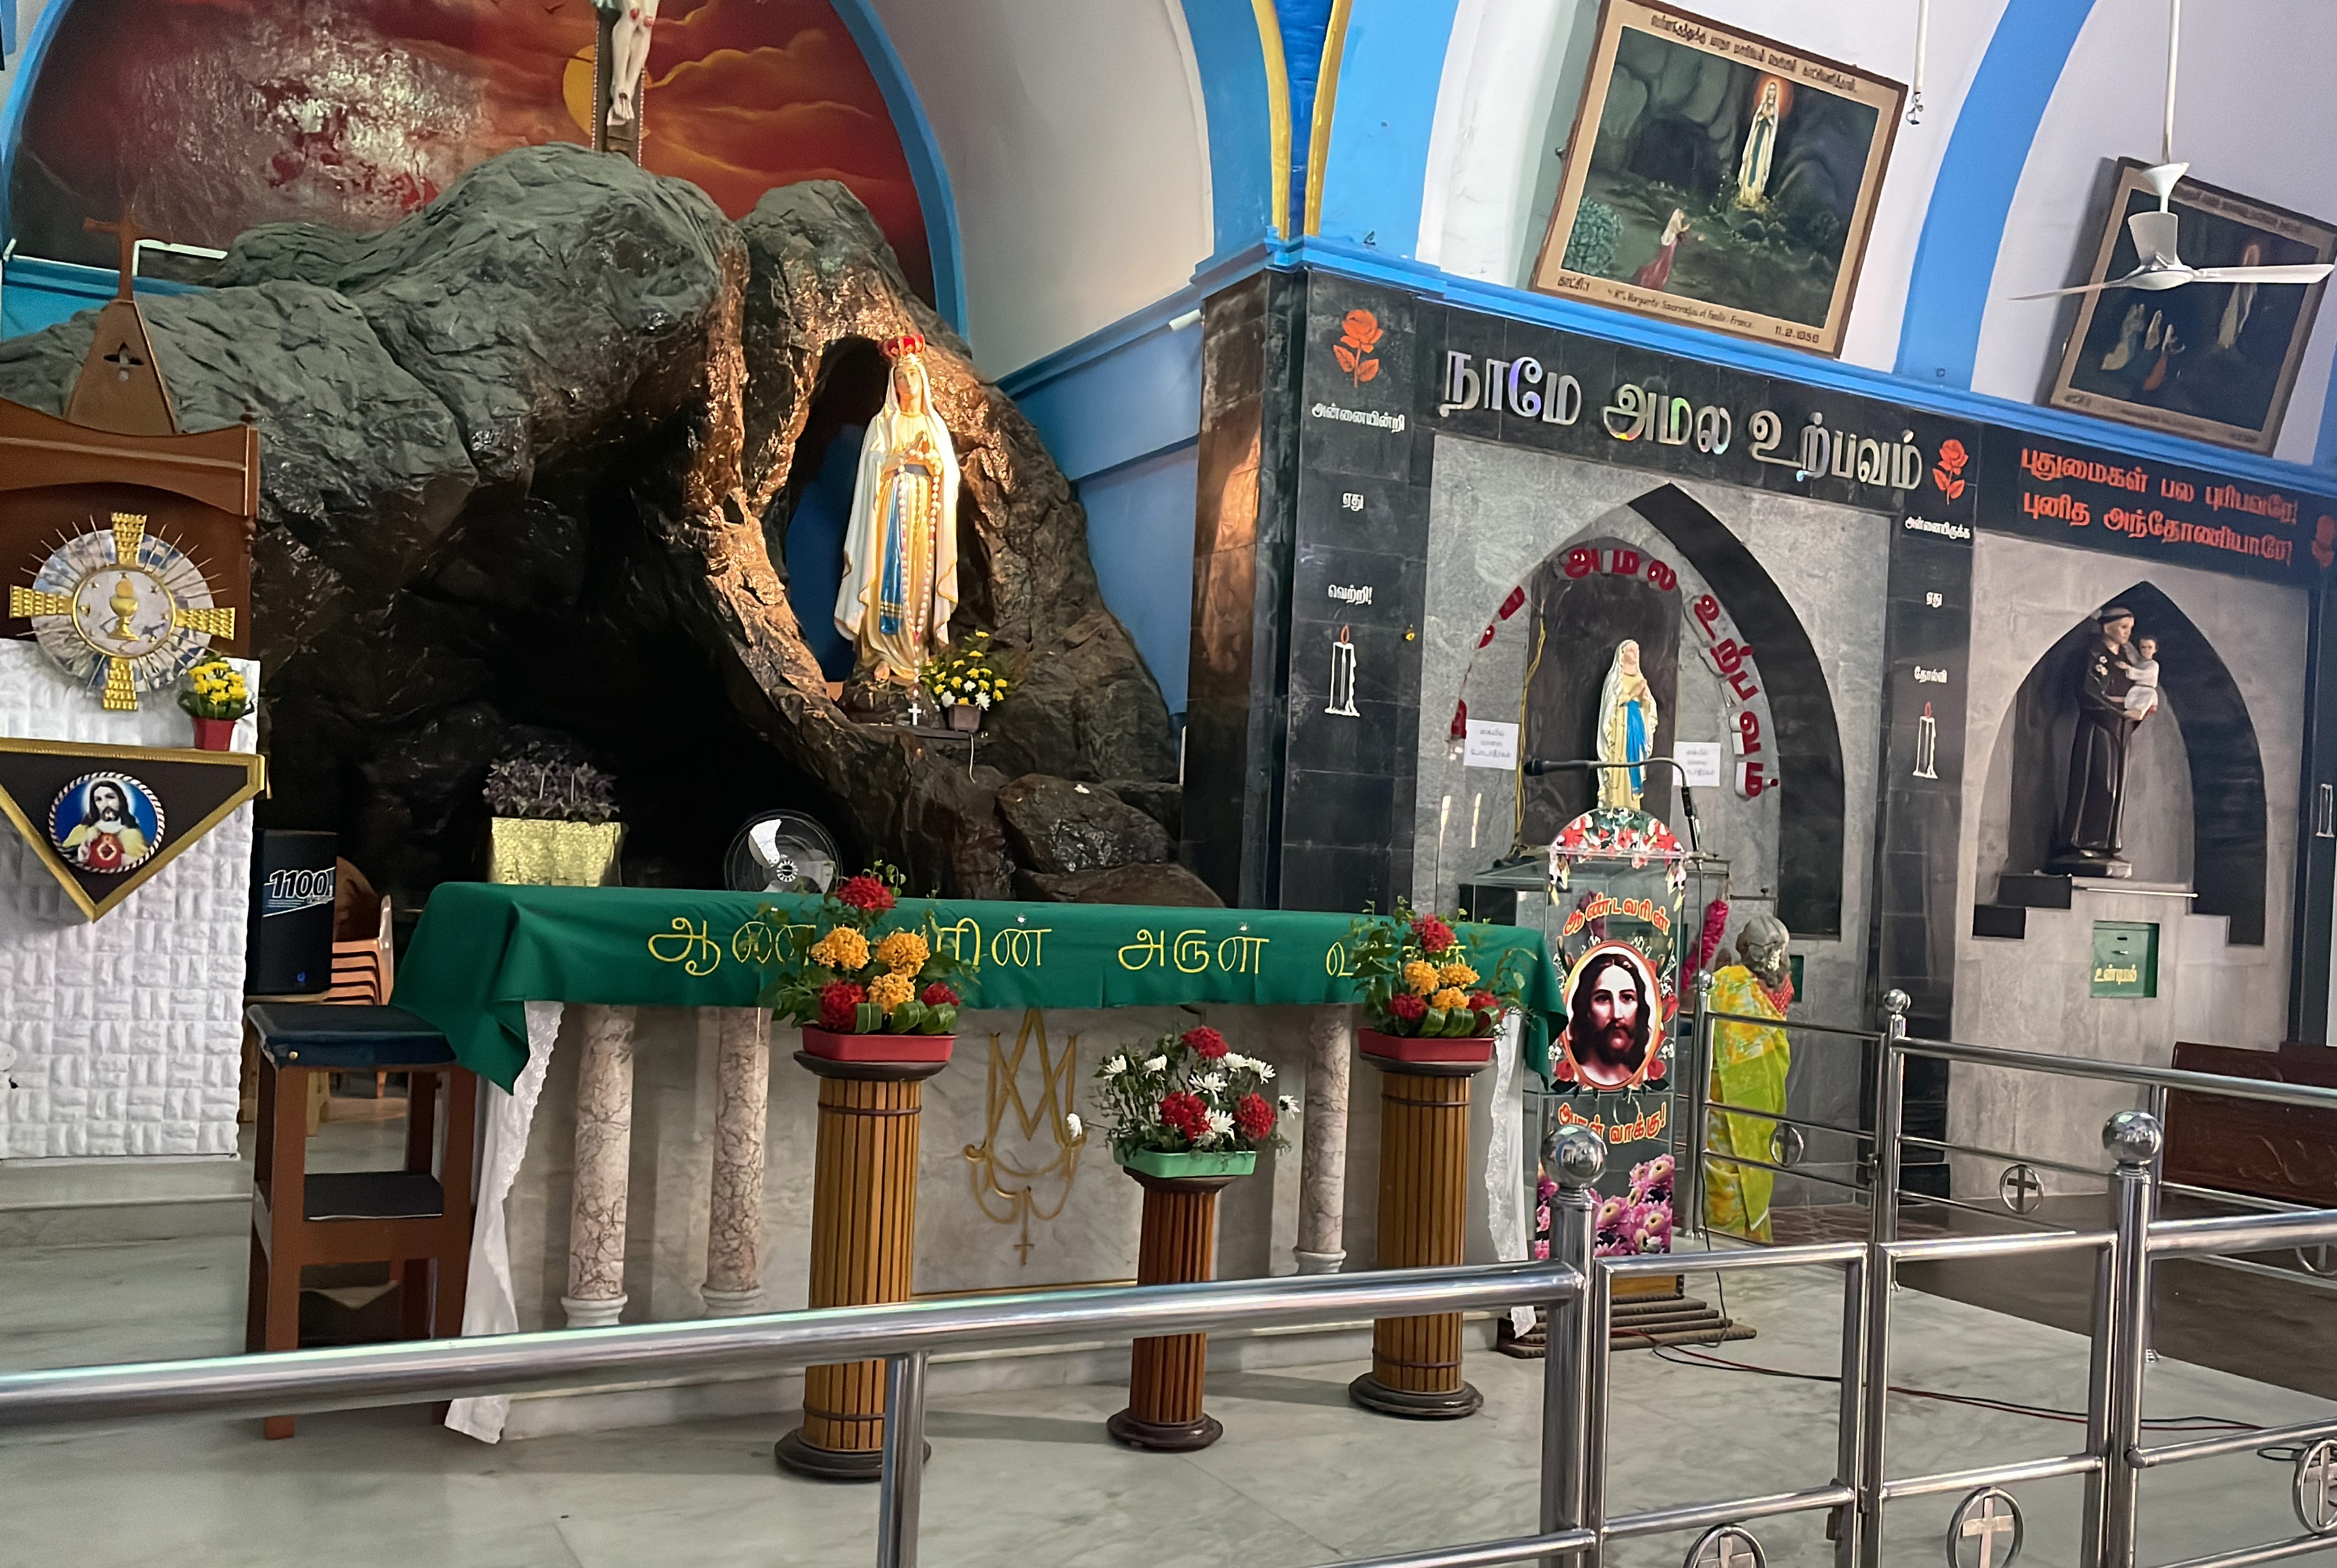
[(863, 1227), (1423, 1210)]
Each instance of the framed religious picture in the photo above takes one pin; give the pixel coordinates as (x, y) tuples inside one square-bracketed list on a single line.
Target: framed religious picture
[(2212, 361), (1718, 178)]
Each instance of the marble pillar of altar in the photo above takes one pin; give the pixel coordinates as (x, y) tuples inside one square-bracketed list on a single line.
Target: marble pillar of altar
[(595, 1298), (1322, 1136), (742, 1098)]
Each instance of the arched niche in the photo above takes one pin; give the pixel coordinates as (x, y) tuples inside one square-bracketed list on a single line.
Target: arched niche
[(1577, 623), (1804, 734), (2229, 852)]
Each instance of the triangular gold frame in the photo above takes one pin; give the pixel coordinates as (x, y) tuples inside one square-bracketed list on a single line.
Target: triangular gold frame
[(255, 771)]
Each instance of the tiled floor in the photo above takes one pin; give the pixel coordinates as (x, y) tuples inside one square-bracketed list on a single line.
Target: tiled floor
[(1028, 1479)]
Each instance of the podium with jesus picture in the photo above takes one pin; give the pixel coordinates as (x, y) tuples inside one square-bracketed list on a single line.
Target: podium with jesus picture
[(126, 546)]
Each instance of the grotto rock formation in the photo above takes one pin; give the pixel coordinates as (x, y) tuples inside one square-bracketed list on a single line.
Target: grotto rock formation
[(530, 458)]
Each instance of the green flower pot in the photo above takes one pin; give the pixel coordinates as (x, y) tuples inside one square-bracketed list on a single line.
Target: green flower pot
[(1154, 1162)]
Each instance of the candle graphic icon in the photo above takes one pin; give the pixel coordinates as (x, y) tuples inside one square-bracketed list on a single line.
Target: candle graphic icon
[(1343, 678), (1927, 744)]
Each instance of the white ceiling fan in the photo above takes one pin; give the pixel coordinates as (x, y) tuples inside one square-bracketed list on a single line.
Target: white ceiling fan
[(2160, 268)]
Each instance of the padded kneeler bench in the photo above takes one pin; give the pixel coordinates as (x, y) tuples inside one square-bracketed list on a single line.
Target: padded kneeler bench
[(417, 1220)]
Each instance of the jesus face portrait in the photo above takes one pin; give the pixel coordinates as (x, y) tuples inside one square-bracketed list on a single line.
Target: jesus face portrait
[(1614, 1017)]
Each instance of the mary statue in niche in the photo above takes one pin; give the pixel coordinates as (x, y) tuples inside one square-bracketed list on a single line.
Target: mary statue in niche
[(1627, 729), (900, 552)]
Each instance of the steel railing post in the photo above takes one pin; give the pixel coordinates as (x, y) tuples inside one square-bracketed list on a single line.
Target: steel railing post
[(905, 1461), (1576, 1157), (1850, 1420), (1883, 1226), (2102, 1355), (1699, 1112), (1890, 1104), (2134, 1139)]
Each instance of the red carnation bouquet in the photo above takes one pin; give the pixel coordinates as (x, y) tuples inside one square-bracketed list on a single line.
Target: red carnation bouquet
[(1189, 1093), (1420, 979), (851, 972)]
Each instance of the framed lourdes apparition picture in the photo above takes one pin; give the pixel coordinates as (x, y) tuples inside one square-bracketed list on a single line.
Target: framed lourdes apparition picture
[(2213, 361), (1718, 178)]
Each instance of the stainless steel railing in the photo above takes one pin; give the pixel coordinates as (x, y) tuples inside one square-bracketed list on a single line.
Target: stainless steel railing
[(1575, 1524)]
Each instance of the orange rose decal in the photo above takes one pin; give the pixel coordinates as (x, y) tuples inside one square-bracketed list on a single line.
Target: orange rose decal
[(1359, 335), (1949, 475), (2325, 542)]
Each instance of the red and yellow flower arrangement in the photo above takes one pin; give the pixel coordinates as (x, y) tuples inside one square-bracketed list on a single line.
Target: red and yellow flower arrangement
[(847, 974), (1419, 980)]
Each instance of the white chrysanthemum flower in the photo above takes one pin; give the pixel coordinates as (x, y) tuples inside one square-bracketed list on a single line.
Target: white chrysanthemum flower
[(1265, 1071), (1220, 1125), (982, 699), (1114, 1067), (1073, 1126), (1156, 1063), (1290, 1106)]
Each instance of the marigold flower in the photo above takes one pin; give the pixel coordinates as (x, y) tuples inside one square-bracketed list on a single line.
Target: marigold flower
[(890, 990), (865, 892), (1420, 979), (1451, 998), (841, 949), (904, 953), (1459, 974)]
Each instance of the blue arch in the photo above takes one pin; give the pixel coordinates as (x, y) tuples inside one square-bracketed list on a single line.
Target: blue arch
[(1246, 95), (1383, 107), (1963, 228), (926, 171)]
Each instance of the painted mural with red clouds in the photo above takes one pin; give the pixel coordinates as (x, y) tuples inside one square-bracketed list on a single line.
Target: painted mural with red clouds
[(214, 116)]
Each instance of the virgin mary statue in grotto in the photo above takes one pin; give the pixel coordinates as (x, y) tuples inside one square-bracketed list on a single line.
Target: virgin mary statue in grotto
[(900, 552)]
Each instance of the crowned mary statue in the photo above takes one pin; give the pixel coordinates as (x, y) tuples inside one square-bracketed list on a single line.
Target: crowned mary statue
[(900, 552), (1627, 729)]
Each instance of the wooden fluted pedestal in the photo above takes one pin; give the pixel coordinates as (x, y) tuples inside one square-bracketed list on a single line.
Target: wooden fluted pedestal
[(1424, 1209), (1177, 1246), (863, 1227)]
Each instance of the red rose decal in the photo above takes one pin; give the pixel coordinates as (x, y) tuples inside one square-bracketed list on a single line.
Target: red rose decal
[(1359, 335), (865, 892), (2325, 542), (1253, 1117), (840, 1006), (1948, 475), (1205, 1043), (1185, 1113)]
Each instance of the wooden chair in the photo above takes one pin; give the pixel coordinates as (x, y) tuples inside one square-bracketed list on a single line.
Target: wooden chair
[(417, 1218)]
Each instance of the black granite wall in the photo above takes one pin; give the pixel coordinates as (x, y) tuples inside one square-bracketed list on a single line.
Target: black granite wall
[(1927, 650)]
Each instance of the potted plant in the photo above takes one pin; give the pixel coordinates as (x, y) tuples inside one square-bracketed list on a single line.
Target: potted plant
[(1422, 993), (555, 820), (1189, 1105), (1187, 1116), (967, 683), (859, 991), (216, 696)]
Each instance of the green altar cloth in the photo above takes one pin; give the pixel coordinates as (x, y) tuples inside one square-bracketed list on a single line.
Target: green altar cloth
[(484, 950)]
